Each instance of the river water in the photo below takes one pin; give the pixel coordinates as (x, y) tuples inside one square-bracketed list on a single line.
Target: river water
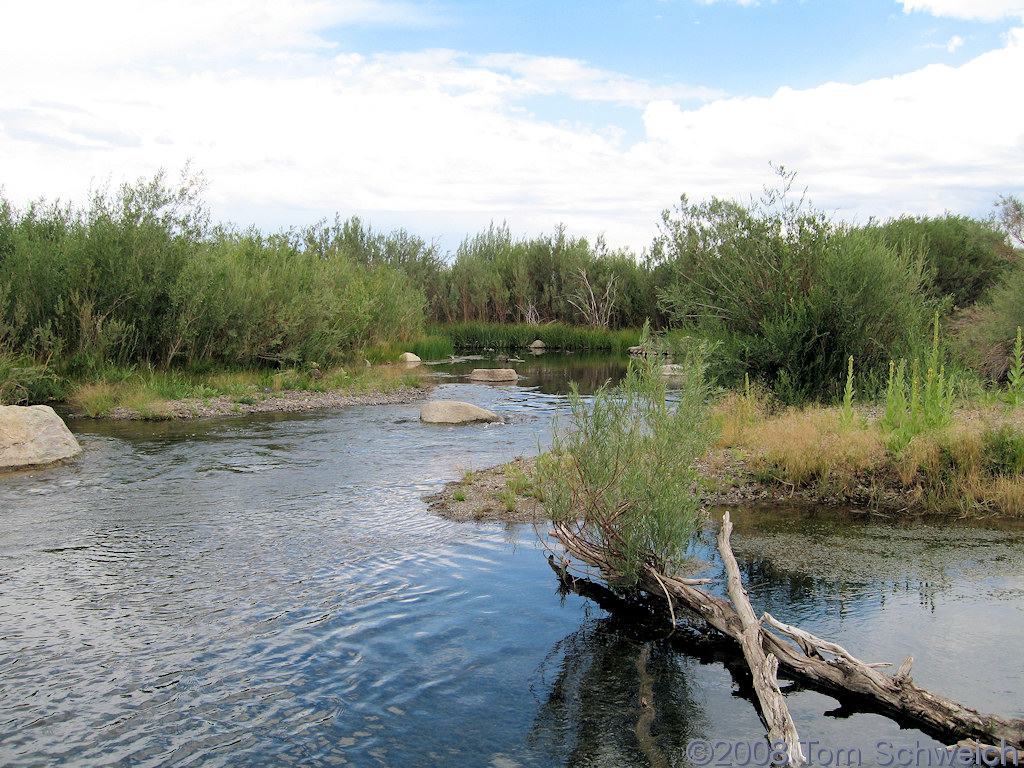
[(271, 590)]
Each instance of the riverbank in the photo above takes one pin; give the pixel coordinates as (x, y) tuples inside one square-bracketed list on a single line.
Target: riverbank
[(970, 467), (170, 395), (277, 402), (505, 493)]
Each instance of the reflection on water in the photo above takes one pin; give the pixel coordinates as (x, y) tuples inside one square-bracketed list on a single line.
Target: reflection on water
[(547, 374), (603, 684), (271, 590)]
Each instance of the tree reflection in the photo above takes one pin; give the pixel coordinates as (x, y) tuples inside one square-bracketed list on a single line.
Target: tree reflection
[(617, 695)]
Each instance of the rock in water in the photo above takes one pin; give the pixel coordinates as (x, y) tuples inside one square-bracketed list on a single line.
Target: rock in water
[(32, 435), (538, 344), (454, 412), (493, 374), (673, 371), (408, 357)]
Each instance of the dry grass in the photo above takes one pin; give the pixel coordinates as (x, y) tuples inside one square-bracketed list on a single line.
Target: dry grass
[(737, 414), (972, 466), (813, 446)]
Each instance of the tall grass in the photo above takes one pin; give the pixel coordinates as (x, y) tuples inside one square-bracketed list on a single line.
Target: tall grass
[(433, 346), (958, 467)]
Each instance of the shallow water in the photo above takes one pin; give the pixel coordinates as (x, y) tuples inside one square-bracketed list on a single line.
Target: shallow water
[(271, 590)]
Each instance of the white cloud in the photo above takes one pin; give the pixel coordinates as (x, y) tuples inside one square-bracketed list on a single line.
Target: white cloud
[(982, 10), (545, 75), (950, 46), (440, 140), (63, 33), (929, 140)]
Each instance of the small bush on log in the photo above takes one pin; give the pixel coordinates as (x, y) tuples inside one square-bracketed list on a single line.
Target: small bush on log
[(623, 475)]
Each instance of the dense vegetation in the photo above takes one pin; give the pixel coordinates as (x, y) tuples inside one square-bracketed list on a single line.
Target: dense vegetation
[(140, 279), (622, 481)]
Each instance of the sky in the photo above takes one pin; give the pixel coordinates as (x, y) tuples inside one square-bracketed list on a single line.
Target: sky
[(442, 117)]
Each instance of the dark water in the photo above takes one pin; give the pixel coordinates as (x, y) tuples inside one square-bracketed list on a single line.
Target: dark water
[(272, 591)]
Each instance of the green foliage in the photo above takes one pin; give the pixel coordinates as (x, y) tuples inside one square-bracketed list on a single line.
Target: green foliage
[(509, 498), (963, 257), (788, 295), (917, 405), (24, 381), (434, 346), (480, 335), (1015, 376), (847, 415), (518, 482), (1003, 451), (140, 277), (624, 472), (496, 278), (984, 335)]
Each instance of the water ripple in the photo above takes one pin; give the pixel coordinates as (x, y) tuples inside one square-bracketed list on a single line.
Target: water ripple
[(272, 591)]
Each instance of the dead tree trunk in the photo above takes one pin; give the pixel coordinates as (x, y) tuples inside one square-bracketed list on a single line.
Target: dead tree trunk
[(764, 667), (804, 657)]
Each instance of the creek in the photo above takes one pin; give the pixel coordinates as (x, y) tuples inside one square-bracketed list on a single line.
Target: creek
[(272, 590)]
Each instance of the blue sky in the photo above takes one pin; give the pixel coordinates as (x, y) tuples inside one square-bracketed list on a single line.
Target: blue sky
[(444, 116)]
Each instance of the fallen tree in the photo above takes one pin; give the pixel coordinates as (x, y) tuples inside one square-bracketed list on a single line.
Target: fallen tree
[(621, 490), (804, 657)]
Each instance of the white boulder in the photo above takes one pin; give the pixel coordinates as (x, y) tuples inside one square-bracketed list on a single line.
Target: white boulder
[(33, 435), (493, 374), (455, 412)]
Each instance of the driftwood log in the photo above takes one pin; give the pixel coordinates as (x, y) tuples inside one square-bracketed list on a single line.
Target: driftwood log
[(801, 656), (764, 666)]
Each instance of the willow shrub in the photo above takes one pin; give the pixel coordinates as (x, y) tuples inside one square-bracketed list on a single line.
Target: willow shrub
[(789, 296), (986, 333), (139, 277), (963, 256), (624, 470)]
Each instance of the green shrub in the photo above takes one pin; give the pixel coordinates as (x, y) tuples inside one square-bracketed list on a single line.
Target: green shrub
[(1003, 451), (984, 335), (963, 256), (788, 296), (624, 472), (138, 277)]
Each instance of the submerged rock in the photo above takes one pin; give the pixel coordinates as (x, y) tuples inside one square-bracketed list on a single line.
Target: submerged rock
[(455, 412), (33, 435), (493, 374)]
